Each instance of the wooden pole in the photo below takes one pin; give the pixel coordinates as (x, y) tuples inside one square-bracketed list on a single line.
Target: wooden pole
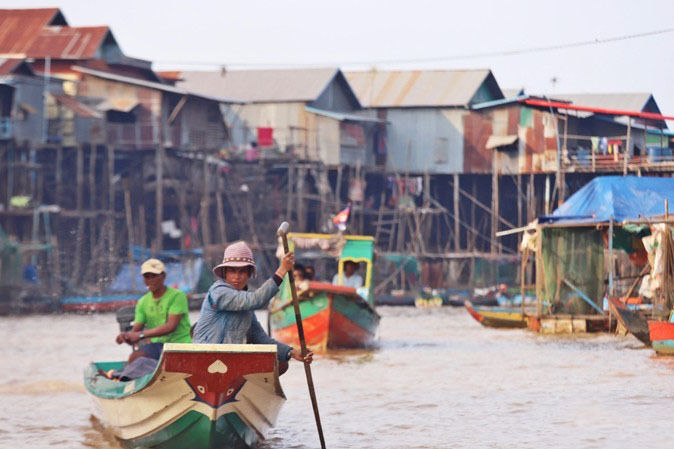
[(184, 219), (92, 206), (519, 200), (129, 232), (112, 253), (59, 174), (627, 145), (159, 198), (283, 233), (79, 177), (338, 188), (457, 228), (205, 206), (494, 208), (291, 186), (219, 204)]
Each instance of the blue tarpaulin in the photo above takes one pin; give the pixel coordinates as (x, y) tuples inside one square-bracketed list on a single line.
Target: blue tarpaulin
[(623, 197)]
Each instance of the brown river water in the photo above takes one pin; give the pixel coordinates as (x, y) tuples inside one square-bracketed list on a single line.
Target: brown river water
[(437, 379)]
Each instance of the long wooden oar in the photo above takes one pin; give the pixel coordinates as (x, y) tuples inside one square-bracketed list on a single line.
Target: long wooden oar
[(283, 233)]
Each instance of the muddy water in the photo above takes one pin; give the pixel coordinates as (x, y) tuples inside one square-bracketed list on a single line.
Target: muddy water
[(436, 380)]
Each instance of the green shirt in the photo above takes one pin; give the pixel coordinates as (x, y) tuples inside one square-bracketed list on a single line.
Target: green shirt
[(154, 313)]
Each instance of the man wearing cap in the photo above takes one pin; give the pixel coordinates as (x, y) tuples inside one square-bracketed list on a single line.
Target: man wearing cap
[(161, 314), (227, 311)]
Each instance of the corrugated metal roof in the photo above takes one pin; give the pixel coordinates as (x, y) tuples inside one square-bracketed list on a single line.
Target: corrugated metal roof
[(149, 84), (20, 27), (68, 42), (416, 88), (11, 66), (623, 101), (260, 86)]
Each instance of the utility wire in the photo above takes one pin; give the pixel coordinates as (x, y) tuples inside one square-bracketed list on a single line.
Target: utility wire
[(456, 57)]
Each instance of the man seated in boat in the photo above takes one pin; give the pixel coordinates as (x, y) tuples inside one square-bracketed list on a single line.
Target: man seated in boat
[(350, 277), (161, 314), (227, 313)]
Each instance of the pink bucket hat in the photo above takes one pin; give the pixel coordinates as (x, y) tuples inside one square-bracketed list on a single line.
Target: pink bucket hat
[(236, 255)]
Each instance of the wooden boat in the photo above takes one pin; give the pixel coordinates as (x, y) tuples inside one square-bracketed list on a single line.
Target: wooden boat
[(662, 336), (482, 301), (199, 396), (333, 316), (501, 317), (633, 320)]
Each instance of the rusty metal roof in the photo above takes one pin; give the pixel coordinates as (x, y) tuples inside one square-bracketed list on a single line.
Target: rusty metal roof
[(416, 88), (68, 42), (20, 27), (260, 86), (14, 66)]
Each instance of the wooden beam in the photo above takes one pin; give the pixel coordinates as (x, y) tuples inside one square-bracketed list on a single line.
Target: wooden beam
[(177, 109), (485, 207)]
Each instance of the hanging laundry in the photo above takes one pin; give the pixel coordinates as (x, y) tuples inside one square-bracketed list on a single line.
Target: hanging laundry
[(595, 144), (603, 145)]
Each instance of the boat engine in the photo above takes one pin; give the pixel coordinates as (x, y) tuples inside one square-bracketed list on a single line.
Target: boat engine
[(125, 316)]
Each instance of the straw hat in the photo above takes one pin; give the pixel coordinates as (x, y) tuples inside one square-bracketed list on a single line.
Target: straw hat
[(236, 255), (154, 266)]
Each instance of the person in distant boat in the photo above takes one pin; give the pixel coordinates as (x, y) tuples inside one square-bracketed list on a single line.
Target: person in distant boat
[(161, 314), (309, 273), (227, 313), (350, 276), (299, 272)]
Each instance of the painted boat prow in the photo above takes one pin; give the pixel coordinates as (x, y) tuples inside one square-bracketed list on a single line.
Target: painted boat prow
[(199, 396), (662, 336)]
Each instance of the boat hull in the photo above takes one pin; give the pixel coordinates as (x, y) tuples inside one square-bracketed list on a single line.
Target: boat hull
[(498, 317), (635, 322), (332, 318), (200, 396), (662, 336)]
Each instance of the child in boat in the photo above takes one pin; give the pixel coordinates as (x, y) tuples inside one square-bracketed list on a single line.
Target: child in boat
[(227, 313)]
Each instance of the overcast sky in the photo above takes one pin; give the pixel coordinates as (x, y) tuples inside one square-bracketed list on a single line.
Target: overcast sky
[(179, 34)]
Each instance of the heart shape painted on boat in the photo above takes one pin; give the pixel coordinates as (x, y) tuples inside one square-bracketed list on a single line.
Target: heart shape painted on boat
[(217, 367)]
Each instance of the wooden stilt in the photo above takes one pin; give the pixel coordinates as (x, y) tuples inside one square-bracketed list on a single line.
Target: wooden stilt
[(59, 174), (112, 253), (457, 213), (159, 199), (219, 203), (92, 206), (129, 232), (205, 205), (79, 194)]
